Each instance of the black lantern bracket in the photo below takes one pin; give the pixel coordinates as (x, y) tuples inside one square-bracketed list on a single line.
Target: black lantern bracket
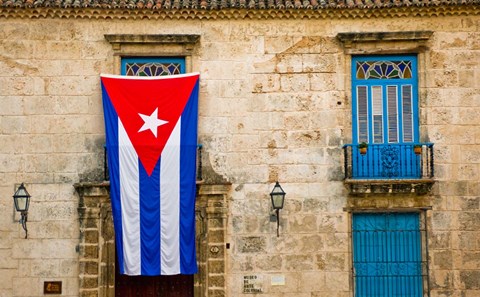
[(278, 200), (21, 200)]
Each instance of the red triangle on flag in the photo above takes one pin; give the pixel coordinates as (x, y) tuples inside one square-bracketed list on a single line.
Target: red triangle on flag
[(146, 105)]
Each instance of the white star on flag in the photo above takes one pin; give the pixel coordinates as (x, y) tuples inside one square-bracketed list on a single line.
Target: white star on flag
[(151, 122)]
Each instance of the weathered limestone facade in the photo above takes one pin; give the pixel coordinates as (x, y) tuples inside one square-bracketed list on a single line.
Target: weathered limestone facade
[(275, 104)]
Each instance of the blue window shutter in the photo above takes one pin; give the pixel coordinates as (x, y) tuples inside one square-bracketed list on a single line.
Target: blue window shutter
[(407, 112), (362, 114), (377, 111), (392, 109)]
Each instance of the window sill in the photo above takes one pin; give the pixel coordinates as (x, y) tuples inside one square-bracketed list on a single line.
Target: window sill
[(389, 186)]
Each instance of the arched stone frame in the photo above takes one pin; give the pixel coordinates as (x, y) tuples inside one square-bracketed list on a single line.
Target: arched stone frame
[(96, 242), (96, 246), (387, 43), (384, 195)]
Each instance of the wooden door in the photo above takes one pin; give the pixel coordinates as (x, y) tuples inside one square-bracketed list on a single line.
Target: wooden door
[(387, 255), (153, 286)]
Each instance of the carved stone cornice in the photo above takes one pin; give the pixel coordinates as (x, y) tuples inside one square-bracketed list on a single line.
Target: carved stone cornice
[(238, 14)]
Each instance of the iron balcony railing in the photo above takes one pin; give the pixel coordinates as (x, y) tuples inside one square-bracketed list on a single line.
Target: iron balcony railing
[(106, 175), (389, 161)]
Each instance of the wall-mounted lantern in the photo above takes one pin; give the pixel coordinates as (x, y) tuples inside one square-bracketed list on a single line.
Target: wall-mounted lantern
[(278, 199), (21, 199)]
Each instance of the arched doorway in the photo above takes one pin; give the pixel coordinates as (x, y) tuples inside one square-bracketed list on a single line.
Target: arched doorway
[(97, 250)]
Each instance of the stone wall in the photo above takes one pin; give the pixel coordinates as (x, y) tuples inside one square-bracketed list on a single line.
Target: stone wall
[(275, 104)]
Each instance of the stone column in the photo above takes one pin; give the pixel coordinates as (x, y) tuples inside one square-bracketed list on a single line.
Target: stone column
[(96, 250), (211, 214)]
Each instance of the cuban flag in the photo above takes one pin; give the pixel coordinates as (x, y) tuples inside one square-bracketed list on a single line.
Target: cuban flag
[(151, 139)]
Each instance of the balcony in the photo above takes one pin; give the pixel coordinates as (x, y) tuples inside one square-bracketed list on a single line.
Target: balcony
[(389, 168)]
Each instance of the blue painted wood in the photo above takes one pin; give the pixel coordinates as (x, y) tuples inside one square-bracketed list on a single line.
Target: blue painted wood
[(386, 161), (406, 164), (387, 255)]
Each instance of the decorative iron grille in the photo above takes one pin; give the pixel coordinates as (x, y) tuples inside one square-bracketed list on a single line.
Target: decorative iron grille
[(389, 161), (390, 254)]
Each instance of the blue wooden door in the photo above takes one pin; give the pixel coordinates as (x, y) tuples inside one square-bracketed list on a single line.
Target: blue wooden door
[(387, 258), (385, 116)]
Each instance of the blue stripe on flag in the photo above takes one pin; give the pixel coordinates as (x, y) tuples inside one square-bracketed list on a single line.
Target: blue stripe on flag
[(150, 220), (111, 125), (188, 264)]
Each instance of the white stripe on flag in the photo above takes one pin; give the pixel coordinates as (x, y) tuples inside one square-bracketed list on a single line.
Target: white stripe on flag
[(130, 202), (170, 204)]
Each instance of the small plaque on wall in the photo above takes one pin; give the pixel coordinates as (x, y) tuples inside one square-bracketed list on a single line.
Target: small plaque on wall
[(253, 284), (52, 287)]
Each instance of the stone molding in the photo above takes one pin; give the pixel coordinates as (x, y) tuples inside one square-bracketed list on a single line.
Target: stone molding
[(385, 42), (239, 14), (128, 43), (152, 45), (389, 187)]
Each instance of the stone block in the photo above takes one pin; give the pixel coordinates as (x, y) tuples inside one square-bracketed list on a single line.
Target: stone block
[(319, 63), (442, 221), (30, 249), (49, 249), (88, 282), (299, 262), (303, 224), (7, 279), (69, 268), (336, 261), (288, 63), (442, 260), (311, 281), (216, 281), (268, 262), (216, 236), (323, 82), (216, 267), (215, 292), (470, 279), (278, 44), (337, 242), (336, 281), (251, 244), (107, 275), (89, 293), (108, 252), (90, 236), (266, 83), (440, 240), (315, 205), (17, 86), (295, 82), (311, 243), (470, 260), (45, 268), (469, 221), (89, 267), (442, 279)]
